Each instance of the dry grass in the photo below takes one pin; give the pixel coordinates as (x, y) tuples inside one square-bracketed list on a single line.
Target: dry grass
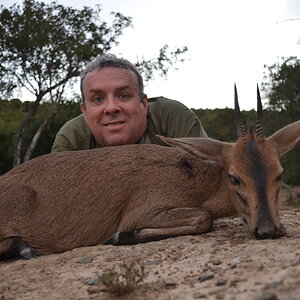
[(124, 278)]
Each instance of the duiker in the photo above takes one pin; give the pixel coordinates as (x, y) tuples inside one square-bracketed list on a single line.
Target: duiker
[(139, 193)]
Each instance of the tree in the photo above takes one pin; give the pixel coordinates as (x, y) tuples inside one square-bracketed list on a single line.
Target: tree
[(43, 48), (282, 86), (11, 112)]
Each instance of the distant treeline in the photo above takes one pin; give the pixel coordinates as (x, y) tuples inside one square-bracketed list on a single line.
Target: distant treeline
[(218, 123)]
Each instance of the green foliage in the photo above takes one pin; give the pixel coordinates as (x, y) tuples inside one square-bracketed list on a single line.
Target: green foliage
[(220, 123), (69, 110), (291, 166), (282, 86), (293, 198), (162, 63), (45, 45), (11, 114)]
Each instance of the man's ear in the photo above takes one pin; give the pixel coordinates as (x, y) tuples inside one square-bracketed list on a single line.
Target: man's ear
[(82, 107), (145, 103)]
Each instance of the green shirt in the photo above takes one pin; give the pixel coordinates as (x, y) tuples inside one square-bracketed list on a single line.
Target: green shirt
[(165, 117)]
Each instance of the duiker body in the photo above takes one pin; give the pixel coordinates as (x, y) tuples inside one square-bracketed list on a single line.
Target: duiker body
[(138, 193)]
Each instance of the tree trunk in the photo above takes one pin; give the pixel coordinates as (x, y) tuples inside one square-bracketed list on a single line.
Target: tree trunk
[(19, 140), (39, 132), (23, 128)]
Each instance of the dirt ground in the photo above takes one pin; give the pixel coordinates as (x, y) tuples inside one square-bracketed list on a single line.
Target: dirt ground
[(226, 263)]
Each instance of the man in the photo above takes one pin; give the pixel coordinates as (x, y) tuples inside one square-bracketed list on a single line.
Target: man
[(115, 111)]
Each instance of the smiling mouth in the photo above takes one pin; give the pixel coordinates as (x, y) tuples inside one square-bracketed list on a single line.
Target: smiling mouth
[(114, 124)]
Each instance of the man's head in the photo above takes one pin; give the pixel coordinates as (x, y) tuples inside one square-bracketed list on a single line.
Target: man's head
[(109, 60), (114, 104)]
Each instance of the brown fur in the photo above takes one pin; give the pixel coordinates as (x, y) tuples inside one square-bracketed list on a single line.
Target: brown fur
[(61, 201)]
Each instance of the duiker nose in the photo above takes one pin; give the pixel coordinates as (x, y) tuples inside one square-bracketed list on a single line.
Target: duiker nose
[(265, 232)]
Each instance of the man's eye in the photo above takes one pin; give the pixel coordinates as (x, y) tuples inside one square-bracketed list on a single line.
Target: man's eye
[(124, 96), (98, 99)]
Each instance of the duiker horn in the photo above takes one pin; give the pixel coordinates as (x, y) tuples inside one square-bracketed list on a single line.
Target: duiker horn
[(259, 132), (239, 123)]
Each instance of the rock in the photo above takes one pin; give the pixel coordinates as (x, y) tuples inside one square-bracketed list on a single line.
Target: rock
[(206, 277), (170, 284), (221, 282), (267, 296), (199, 295), (234, 262), (273, 285), (215, 262), (153, 262), (85, 260), (93, 281)]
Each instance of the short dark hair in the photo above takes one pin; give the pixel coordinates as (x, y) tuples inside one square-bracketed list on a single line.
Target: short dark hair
[(110, 60)]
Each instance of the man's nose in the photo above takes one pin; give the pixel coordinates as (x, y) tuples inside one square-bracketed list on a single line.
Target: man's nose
[(112, 105)]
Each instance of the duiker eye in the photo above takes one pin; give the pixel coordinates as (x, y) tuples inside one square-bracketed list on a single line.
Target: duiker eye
[(279, 177), (234, 180)]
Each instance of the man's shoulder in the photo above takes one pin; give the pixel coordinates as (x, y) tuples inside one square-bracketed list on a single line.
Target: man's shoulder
[(75, 122), (163, 105), (172, 118), (76, 130), (163, 102)]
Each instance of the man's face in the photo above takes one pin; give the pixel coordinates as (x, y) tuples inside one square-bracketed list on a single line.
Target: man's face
[(113, 110)]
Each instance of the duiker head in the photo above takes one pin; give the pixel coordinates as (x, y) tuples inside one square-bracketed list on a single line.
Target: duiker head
[(251, 168), (255, 177)]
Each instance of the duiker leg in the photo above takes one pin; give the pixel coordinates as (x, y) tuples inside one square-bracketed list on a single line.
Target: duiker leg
[(24, 249), (17, 246), (169, 223)]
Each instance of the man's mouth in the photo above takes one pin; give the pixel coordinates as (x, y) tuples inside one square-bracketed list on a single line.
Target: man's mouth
[(114, 124)]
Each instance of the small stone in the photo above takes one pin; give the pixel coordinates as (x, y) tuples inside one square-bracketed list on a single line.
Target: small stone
[(170, 284), (267, 296), (260, 268), (206, 277), (85, 260), (273, 285), (93, 281), (215, 262), (198, 295), (234, 262), (153, 262), (221, 282)]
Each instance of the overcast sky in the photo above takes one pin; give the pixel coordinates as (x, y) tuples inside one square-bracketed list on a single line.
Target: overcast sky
[(229, 41)]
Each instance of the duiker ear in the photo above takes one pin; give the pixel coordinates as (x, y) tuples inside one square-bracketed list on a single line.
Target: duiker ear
[(205, 148), (286, 138)]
